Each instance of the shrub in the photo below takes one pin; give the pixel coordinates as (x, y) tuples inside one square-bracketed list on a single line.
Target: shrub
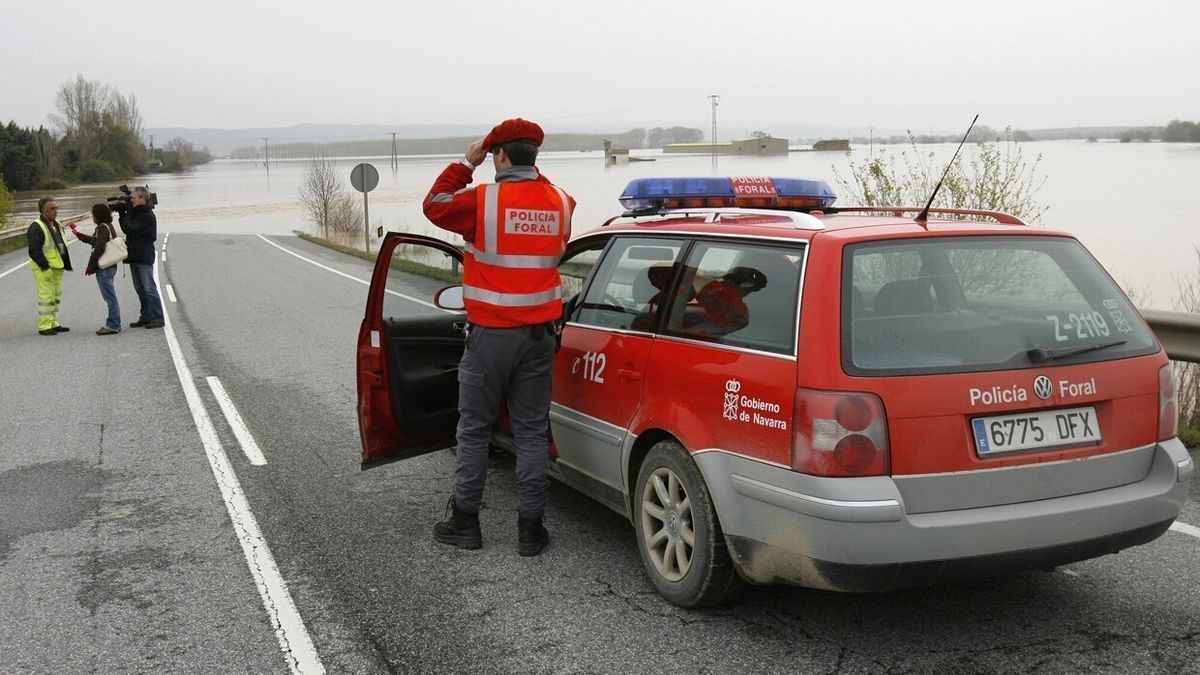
[(997, 178), (95, 171)]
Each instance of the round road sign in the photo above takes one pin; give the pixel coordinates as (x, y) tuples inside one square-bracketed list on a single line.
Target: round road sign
[(364, 177)]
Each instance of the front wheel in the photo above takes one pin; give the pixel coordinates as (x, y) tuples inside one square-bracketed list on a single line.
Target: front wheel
[(679, 538)]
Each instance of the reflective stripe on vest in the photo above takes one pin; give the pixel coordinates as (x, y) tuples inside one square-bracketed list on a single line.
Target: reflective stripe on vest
[(521, 262), (512, 299)]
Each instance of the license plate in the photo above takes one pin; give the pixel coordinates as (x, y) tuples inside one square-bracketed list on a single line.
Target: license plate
[(1027, 431)]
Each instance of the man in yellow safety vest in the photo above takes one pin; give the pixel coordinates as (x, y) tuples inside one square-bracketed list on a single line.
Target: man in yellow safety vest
[(48, 258)]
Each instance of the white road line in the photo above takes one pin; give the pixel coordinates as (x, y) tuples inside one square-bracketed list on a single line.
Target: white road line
[(240, 430), (164, 255), (289, 626), (1186, 529), (171, 293), (26, 263), (352, 278)]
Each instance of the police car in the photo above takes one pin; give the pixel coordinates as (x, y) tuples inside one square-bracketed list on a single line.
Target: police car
[(775, 390)]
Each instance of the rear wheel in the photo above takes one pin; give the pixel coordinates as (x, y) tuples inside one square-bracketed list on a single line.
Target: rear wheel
[(679, 538)]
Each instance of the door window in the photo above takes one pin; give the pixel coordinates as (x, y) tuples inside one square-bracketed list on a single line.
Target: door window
[(415, 274), (740, 295), (574, 272), (630, 284)]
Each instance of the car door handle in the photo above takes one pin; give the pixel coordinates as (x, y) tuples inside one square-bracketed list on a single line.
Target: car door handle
[(460, 326), (629, 375)]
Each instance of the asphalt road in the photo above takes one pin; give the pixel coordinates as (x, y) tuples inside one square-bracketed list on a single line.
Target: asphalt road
[(124, 545)]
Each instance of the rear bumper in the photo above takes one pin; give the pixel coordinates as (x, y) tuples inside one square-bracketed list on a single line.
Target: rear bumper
[(854, 534)]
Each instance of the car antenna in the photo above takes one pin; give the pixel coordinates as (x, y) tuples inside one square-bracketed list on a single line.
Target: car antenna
[(924, 214)]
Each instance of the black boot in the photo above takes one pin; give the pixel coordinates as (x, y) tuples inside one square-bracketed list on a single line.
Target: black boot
[(532, 536), (461, 529)]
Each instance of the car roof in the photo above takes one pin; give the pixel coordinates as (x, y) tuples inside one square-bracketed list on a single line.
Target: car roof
[(803, 227)]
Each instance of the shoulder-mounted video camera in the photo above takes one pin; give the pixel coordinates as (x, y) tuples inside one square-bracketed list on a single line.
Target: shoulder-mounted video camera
[(124, 201)]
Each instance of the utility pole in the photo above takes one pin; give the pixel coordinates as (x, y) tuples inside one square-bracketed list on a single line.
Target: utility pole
[(151, 144), (266, 153), (714, 99), (871, 140), (395, 159)]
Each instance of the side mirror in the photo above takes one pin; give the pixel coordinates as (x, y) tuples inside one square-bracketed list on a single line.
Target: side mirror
[(450, 297)]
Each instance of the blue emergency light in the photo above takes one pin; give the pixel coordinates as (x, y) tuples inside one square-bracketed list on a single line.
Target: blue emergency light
[(655, 194)]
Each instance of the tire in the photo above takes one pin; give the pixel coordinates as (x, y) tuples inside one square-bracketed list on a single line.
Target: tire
[(679, 537)]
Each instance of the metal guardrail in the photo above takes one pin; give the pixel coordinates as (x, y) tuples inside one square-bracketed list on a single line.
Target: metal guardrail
[(14, 232), (5, 235), (1179, 332)]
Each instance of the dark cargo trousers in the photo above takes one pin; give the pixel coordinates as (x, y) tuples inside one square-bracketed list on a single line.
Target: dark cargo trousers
[(504, 364)]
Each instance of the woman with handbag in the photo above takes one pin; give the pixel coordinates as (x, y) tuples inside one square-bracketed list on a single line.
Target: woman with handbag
[(107, 251)]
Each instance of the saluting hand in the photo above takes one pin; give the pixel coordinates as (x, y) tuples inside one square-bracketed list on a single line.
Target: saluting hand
[(476, 153)]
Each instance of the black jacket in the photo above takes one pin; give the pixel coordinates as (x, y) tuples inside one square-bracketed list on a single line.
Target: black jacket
[(141, 229), (98, 241), (36, 239)]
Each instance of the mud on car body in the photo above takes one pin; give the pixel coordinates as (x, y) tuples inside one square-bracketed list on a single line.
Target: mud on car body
[(773, 390)]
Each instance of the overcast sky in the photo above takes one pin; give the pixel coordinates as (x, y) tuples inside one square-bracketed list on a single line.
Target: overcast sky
[(614, 64)]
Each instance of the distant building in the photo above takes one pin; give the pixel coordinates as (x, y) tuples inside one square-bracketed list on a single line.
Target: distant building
[(832, 144), (764, 145), (614, 155)]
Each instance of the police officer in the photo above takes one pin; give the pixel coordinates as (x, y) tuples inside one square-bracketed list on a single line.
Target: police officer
[(515, 231), (48, 258)]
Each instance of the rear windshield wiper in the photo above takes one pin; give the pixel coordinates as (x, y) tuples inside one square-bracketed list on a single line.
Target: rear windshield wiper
[(1041, 354)]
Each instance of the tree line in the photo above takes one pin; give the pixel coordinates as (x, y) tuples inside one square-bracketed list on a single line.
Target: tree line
[(1177, 131), (95, 135)]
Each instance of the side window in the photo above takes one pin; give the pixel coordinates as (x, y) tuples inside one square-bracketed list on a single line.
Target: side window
[(575, 271), (629, 284), (417, 272), (739, 295)]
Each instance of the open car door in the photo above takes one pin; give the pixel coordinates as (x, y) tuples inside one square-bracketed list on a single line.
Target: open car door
[(408, 351)]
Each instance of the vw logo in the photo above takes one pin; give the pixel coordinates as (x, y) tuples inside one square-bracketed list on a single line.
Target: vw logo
[(1043, 387)]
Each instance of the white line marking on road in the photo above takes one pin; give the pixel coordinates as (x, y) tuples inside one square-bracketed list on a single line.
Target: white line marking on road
[(240, 430), (164, 255), (26, 263), (289, 626), (171, 293), (352, 278), (1186, 529)]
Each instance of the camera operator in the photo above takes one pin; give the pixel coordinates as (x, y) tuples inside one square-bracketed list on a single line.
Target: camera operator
[(141, 229)]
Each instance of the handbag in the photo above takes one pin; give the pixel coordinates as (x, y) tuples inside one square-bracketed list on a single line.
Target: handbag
[(114, 251)]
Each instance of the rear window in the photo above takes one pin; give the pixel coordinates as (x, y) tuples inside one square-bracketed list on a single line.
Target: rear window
[(981, 303)]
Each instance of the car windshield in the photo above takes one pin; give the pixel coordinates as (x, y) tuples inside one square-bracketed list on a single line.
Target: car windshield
[(981, 303)]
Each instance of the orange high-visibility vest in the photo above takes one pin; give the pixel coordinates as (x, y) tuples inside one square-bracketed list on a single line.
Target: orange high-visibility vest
[(510, 274)]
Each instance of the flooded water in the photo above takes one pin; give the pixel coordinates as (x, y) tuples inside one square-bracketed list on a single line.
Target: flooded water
[(1135, 206)]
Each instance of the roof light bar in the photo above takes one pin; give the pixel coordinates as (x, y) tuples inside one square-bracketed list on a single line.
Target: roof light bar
[(654, 194)]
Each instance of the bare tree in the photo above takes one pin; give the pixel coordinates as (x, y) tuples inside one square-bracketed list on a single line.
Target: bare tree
[(330, 205), (80, 104)]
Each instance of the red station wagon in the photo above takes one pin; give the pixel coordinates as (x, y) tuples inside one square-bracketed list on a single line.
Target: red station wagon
[(773, 390)]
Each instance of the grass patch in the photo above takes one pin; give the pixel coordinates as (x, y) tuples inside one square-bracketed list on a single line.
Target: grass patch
[(13, 243), (409, 266), (1190, 435)]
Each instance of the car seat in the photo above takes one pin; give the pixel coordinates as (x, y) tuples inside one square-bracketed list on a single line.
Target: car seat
[(648, 288), (904, 296)]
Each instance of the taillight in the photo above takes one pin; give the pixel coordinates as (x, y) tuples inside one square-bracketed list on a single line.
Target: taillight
[(839, 433), (1168, 404)]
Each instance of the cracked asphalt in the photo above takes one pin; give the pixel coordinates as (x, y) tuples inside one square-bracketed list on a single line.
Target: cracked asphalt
[(117, 553)]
